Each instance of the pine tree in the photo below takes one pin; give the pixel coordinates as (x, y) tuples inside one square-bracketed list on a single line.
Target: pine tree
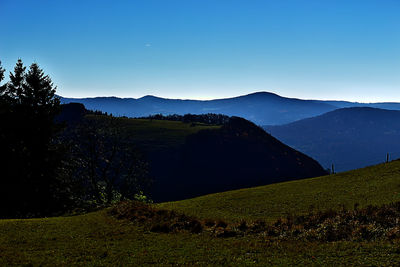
[(4, 86), (38, 90), (29, 157), (14, 87), (2, 70)]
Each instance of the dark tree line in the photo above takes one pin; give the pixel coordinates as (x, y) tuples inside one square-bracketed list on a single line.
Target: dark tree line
[(209, 118), (48, 166)]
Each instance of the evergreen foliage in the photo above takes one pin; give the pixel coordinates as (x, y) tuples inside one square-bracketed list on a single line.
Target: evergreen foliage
[(2, 70), (51, 162), (29, 157)]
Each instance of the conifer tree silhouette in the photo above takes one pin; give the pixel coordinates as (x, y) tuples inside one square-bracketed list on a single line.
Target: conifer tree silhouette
[(29, 159)]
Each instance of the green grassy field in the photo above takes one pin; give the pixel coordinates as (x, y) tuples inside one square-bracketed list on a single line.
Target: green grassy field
[(96, 239), (99, 239), (373, 185)]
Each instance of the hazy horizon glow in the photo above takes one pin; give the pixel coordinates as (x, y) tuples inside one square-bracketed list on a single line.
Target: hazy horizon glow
[(330, 50)]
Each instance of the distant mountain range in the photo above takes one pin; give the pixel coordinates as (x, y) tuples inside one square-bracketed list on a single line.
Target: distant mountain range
[(349, 138), (262, 108)]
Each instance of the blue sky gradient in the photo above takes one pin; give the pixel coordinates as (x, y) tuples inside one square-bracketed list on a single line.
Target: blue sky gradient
[(204, 49)]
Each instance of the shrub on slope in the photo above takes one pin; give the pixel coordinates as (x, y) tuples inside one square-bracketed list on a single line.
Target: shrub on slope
[(370, 223)]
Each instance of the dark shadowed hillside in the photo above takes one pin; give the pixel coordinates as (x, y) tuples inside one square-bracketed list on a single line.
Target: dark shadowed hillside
[(350, 137), (237, 155), (189, 159), (72, 112)]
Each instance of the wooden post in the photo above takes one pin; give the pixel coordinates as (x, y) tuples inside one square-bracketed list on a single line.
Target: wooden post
[(333, 169), (387, 157)]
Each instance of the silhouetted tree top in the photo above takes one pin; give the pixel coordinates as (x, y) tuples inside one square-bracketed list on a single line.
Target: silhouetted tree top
[(38, 89), (2, 70), (30, 88), (29, 157), (2, 87), (14, 87)]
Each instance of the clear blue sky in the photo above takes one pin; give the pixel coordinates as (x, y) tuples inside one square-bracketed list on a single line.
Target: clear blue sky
[(325, 49)]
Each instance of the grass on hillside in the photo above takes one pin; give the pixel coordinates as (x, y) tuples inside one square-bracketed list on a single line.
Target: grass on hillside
[(153, 135), (375, 185), (99, 239)]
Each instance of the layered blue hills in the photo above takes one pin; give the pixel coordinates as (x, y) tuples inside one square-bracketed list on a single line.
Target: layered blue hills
[(262, 108), (349, 138)]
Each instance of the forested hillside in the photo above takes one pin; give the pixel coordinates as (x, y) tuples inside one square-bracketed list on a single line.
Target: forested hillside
[(188, 158)]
